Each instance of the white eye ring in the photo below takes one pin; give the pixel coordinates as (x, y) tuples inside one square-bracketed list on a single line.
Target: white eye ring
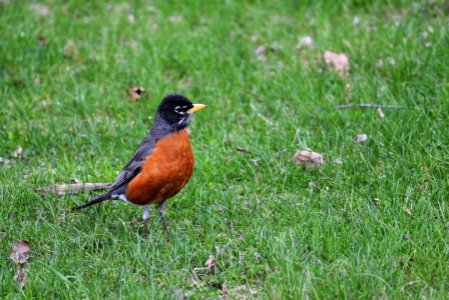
[(179, 112)]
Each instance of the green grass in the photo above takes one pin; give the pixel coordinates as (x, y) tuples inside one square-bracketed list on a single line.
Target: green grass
[(373, 222)]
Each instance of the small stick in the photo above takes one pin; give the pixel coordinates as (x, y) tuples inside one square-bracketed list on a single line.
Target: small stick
[(62, 189), (369, 105), (241, 149)]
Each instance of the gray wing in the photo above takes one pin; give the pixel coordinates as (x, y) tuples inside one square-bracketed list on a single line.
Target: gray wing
[(133, 167)]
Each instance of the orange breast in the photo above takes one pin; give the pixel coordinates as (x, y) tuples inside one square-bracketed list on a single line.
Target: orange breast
[(165, 172)]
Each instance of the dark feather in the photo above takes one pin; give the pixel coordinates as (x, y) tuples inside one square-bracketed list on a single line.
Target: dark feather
[(96, 200), (133, 167)]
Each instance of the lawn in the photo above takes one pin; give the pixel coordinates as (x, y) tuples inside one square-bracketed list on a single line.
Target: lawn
[(371, 222)]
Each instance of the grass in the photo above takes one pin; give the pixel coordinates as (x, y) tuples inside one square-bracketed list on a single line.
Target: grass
[(373, 222)]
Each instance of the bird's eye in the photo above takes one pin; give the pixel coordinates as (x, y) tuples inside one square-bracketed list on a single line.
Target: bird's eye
[(179, 111)]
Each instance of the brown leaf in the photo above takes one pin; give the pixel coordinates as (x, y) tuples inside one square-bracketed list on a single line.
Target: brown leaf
[(210, 265), (361, 138), (136, 93), (308, 159), (20, 277), (20, 252), (337, 62)]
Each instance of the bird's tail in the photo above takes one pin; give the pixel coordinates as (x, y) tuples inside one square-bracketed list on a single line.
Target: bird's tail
[(96, 200)]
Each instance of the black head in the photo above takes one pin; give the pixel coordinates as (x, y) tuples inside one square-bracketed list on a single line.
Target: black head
[(177, 110)]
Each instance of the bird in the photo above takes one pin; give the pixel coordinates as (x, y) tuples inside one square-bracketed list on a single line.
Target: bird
[(161, 165)]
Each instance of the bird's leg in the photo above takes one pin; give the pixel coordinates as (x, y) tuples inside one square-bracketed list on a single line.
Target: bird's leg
[(161, 209), (146, 217)]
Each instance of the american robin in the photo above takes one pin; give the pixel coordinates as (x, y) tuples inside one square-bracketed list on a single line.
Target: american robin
[(161, 165)]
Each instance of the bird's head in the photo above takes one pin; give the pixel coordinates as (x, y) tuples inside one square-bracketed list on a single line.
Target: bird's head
[(177, 110)]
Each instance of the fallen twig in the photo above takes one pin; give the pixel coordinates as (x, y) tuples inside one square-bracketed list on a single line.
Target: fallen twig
[(62, 189), (241, 149), (369, 105)]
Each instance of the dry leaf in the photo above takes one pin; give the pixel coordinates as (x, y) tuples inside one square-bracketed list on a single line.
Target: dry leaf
[(338, 62), (20, 252), (136, 93), (308, 159), (20, 277), (361, 138), (380, 112), (210, 265), (241, 149)]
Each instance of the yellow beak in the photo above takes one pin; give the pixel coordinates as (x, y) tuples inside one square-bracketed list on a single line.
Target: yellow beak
[(196, 107)]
